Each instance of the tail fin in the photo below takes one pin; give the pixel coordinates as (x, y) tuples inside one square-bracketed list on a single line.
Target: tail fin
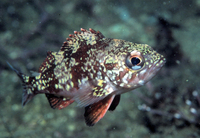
[(27, 91)]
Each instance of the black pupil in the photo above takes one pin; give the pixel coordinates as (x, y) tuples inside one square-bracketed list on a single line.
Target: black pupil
[(135, 60)]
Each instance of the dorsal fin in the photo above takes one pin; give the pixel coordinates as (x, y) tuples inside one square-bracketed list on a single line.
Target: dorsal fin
[(48, 61), (79, 38), (96, 111), (58, 102)]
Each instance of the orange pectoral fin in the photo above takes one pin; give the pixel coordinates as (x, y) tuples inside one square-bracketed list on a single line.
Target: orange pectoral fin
[(96, 111)]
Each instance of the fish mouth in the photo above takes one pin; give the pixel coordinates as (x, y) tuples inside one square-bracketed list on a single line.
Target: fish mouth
[(158, 64), (148, 72), (152, 71)]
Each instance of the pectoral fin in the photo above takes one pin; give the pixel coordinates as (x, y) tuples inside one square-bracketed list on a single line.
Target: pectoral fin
[(96, 111)]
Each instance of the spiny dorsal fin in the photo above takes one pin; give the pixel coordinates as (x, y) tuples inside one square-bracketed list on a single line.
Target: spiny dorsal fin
[(86, 37), (58, 102), (96, 111)]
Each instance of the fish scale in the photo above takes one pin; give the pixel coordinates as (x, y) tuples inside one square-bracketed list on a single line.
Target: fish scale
[(93, 71)]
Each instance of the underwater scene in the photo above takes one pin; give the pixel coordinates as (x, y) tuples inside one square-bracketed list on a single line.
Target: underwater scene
[(93, 69)]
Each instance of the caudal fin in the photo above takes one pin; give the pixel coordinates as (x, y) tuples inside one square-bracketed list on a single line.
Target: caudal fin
[(28, 94)]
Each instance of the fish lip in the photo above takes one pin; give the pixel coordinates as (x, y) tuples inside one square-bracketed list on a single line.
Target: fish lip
[(153, 70), (163, 61), (158, 65)]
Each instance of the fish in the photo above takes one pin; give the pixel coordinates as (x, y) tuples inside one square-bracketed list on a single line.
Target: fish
[(92, 71)]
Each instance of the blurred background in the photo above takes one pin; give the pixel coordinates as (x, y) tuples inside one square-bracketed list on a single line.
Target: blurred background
[(167, 106)]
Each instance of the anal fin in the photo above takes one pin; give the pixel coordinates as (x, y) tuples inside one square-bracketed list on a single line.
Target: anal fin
[(96, 111), (58, 102)]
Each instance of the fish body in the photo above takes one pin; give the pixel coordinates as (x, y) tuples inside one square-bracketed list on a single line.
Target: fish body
[(93, 71)]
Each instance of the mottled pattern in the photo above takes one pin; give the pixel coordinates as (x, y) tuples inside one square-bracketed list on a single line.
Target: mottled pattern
[(89, 68)]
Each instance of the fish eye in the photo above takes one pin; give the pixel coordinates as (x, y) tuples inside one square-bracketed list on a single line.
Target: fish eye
[(134, 62)]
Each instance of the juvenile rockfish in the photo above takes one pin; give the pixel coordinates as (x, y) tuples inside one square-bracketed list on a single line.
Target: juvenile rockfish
[(93, 71)]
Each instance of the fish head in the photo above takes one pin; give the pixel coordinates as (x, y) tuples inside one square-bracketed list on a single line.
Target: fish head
[(142, 64), (134, 65)]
